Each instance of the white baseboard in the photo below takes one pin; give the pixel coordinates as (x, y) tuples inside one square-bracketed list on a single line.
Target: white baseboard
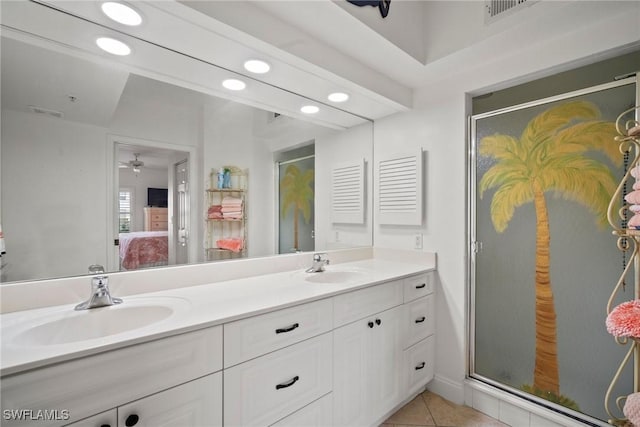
[(447, 388)]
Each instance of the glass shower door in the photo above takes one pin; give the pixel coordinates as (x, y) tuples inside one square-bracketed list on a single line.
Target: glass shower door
[(296, 205), (543, 260)]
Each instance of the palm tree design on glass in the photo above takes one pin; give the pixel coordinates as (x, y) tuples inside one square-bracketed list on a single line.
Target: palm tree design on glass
[(297, 193), (552, 155)]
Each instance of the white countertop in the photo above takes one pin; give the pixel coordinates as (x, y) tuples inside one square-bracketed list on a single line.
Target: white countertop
[(196, 307)]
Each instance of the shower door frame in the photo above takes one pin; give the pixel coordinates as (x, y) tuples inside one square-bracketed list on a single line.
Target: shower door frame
[(473, 246)]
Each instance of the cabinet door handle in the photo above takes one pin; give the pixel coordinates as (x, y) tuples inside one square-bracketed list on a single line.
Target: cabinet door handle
[(131, 420), (289, 383), (105, 425), (420, 366), (287, 329), (370, 324), (420, 286), (421, 319), (378, 321)]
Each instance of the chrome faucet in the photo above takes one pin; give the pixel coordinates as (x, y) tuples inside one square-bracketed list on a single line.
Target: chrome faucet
[(100, 295), (319, 261)]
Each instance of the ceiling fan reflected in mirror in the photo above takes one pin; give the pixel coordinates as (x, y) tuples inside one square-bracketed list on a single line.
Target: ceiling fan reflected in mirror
[(136, 165)]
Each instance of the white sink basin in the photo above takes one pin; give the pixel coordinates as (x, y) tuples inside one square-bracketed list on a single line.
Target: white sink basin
[(334, 276), (70, 326)]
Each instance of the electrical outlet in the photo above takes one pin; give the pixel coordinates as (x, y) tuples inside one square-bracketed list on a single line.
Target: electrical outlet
[(417, 244)]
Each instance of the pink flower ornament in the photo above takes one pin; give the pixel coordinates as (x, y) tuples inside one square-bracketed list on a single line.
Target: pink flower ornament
[(624, 320), (631, 408)]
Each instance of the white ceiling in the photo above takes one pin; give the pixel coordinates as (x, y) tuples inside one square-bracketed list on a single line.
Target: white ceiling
[(319, 46), (420, 42), (32, 76)]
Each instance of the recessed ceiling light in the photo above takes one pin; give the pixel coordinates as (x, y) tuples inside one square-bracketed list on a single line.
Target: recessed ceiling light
[(234, 84), (338, 97), (121, 13), (113, 46), (309, 109), (257, 66)]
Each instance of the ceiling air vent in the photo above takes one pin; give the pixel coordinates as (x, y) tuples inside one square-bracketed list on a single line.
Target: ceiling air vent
[(495, 9), (46, 111), (272, 116)]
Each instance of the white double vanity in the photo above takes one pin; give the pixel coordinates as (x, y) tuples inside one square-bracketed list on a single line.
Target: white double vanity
[(343, 347)]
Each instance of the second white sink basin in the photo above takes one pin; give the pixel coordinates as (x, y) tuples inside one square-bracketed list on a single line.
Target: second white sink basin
[(69, 326)]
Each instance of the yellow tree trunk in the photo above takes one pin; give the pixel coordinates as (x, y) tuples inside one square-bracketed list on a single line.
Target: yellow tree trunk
[(545, 375)]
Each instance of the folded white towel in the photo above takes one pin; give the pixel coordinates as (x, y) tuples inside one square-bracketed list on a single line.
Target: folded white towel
[(230, 199)]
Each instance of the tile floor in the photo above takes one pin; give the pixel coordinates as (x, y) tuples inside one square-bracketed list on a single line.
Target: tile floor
[(429, 409)]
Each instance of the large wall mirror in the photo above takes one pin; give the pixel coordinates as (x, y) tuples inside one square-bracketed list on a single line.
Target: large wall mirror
[(101, 155)]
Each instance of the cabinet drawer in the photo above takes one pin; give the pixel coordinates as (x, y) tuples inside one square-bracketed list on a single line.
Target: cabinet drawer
[(159, 217), (418, 286), (316, 414), (196, 403), (264, 390), (249, 338), (96, 383), (159, 226), (356, 305), (421, 319), (109, 418), (419, 364)]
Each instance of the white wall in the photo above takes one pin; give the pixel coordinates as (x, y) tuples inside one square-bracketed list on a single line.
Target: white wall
[(349, 145), (54, 230), (43, 156), (438, 125), (229, 140)]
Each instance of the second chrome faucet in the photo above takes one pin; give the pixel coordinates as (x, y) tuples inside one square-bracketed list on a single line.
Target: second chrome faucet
[(319, 261)]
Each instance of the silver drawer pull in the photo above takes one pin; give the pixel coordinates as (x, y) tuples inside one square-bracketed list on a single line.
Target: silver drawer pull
[(421, 319), (420, 366), (287, 329), (420, 286), (289, 383)]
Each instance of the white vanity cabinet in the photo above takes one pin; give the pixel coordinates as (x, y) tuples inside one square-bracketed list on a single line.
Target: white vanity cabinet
[(196, 403), (266, 389), (419, 345), (278, 363), (368, 357), (348, 359), (315, 414), (104, 419), (91, 385)]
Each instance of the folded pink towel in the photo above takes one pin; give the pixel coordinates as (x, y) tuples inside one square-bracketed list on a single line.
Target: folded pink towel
[(214, 212), (231, 209), (233, 244)]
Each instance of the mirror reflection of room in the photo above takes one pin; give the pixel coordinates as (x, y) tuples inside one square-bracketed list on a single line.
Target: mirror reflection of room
[(87, 144)]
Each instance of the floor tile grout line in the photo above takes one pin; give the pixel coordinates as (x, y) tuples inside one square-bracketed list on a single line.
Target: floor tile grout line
[(435, 423)]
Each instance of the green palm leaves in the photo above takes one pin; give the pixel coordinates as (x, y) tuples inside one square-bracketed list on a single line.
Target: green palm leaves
[(551, 152)]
